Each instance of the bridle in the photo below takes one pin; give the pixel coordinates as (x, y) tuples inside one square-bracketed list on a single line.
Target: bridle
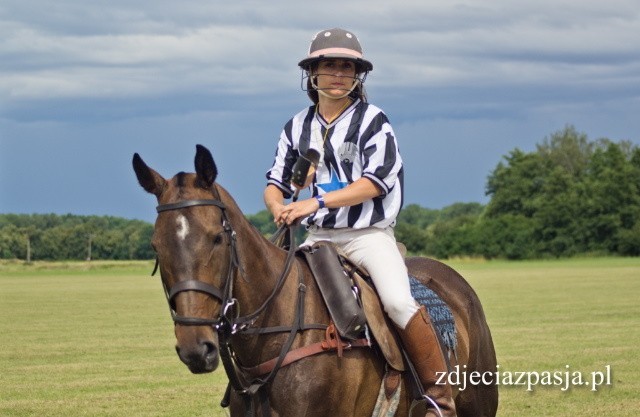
[(227, 323), (223, 295)]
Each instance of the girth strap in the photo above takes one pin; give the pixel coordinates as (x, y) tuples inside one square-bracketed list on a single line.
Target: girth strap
[(332, 342)]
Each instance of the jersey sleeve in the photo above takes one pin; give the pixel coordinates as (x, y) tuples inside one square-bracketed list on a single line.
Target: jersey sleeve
[(280, 173), (381, 161)]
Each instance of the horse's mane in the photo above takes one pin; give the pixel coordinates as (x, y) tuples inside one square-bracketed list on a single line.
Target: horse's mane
[(180, 181)]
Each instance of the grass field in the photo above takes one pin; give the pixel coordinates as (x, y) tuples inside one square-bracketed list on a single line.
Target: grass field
[(79, 340)]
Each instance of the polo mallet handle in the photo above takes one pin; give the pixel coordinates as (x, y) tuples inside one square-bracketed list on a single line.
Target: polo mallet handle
[(301, 169)]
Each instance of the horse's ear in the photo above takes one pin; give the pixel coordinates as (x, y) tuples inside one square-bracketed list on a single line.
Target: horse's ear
[(206, 170), (150, 180)]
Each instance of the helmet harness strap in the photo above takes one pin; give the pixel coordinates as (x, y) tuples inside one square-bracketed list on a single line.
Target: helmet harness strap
[(312, 79)]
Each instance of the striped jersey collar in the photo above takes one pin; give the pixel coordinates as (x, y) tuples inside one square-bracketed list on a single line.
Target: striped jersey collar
[(344, 114)]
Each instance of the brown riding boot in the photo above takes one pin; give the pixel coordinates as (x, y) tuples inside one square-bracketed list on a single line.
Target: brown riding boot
[(422, 344)]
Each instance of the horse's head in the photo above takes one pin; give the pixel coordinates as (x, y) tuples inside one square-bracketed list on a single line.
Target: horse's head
[(192, 240)]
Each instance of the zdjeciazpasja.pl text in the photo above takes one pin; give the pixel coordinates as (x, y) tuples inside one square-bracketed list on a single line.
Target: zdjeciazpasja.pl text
[(564, 379)]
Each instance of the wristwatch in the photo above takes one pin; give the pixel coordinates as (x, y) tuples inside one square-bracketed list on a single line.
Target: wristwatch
[(320, 201)]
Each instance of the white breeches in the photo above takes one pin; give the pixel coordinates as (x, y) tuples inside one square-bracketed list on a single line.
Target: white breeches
[(375, 250)]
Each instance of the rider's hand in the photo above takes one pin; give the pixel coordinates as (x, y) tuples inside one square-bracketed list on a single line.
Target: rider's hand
[(299, 209), (277, 210)]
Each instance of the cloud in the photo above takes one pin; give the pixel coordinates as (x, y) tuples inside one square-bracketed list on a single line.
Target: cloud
[(213, 58), (85, 84), (509, 42), (119, 49)]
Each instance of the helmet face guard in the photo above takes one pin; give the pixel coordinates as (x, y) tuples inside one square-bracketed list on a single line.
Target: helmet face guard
[(308, 84)]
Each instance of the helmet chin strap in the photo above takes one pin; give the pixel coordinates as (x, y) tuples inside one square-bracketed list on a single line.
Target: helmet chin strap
[(321, 91)]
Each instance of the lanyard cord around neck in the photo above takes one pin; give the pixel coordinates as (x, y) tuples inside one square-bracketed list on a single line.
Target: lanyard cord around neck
[(334, 117)]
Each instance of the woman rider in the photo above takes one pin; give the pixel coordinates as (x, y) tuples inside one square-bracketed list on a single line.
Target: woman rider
[(357, 190)]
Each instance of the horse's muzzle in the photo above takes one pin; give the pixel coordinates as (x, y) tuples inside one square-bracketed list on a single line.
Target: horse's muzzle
[(200, 358)]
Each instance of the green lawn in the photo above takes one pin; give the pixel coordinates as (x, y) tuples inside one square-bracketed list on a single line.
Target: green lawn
[(94, 343), (545, 315), (99, 341)]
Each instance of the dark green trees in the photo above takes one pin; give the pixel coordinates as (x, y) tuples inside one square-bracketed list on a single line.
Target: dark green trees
[(63, 237), (570, 196)]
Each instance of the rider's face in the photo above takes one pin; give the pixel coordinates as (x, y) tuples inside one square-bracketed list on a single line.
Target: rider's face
[(335, 76)]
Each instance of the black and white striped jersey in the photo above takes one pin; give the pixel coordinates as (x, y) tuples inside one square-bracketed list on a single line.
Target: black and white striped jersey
[(359, 143)]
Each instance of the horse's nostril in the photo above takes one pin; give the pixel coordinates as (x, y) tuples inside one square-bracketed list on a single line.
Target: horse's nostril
[(209, 348)]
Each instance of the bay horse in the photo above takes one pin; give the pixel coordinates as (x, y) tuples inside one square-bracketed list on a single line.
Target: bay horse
[(224, 282)]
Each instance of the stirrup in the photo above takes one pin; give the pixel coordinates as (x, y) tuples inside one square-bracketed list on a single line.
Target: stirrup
[(423, 402)]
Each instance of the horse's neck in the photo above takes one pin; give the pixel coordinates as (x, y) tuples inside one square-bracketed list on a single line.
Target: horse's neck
[(260, 258), (261, 262)]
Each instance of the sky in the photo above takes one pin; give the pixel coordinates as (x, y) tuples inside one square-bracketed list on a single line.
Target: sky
[(86, 84)]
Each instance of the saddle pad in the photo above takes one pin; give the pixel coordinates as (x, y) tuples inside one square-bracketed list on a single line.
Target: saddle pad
[(439, 311)]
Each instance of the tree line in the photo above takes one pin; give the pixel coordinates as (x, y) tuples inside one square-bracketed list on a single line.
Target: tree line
[(66, 237), (569, 196)]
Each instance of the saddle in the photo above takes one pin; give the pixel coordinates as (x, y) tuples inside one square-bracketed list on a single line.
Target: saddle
[(354, 305), (352, 302)]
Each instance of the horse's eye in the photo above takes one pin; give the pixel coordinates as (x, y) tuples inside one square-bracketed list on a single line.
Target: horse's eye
[(218, 239)]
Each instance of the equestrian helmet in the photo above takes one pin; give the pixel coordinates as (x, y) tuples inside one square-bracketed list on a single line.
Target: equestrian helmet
[(335, 43)]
